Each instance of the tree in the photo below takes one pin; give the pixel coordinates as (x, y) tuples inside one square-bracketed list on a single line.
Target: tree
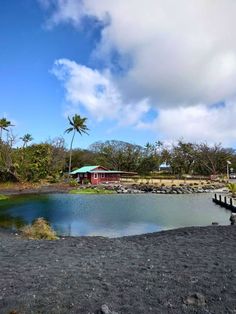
[(36, 163), (182, 158), (26, 139), (77, 124), (212, 159), (4, 125), (117, 155), (58, 160), (151, 158)]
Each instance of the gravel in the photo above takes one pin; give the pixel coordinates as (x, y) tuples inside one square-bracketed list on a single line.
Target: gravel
[(189, 270)]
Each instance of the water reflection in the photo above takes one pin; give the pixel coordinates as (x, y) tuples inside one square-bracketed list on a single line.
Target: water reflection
[(113, 215)]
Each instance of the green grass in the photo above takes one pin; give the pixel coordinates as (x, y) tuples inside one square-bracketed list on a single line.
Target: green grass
[(91, 191), (3, 197)]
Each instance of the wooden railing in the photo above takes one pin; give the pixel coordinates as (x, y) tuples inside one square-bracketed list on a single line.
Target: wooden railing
[(225, 201)]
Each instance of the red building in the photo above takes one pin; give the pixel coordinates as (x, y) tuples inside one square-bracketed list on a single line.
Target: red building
[(96, 175)]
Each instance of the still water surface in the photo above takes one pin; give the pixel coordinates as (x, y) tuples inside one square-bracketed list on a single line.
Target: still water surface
[(112, 215)]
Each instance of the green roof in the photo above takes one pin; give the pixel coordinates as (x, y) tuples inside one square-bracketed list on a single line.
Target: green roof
[(106, 171), (92, 169), (84, 169)]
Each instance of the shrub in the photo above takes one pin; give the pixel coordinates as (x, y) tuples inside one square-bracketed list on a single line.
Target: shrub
[(73, 183), (40, 229), (3, 197), (86, 181), (232, 188)]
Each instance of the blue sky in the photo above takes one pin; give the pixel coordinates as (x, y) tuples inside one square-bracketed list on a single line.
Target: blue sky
[(140, 71)]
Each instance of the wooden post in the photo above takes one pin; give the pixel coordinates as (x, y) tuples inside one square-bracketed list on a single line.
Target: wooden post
[(231, 202), (220, 197), (215, 197), (225, 200)]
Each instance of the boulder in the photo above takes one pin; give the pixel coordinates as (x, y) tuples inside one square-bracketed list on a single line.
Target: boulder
[(233, 219)]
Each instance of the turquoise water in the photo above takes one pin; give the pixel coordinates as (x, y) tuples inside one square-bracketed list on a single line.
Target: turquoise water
[(112, 215)]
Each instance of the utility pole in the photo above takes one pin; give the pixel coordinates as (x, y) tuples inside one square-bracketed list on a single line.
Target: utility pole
[(228, 163)]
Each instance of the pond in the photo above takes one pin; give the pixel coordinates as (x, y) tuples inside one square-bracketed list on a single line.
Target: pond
[(112, 215)]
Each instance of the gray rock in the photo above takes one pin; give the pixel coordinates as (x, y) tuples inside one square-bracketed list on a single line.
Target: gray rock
[(233, 219), (195, 299), (105, 310)]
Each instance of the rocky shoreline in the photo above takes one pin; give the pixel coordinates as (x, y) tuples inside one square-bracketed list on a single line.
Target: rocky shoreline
[(162, 189), (189, 270), (184, 188)]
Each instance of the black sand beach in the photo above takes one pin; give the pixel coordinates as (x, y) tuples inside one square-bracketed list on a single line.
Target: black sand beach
[(189, 270)]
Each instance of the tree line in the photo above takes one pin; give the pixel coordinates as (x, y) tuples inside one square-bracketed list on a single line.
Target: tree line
[(51, 159)]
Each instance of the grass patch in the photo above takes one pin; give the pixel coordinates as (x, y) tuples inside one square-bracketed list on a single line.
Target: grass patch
[(39, 230), (3, 197), (91, 191)]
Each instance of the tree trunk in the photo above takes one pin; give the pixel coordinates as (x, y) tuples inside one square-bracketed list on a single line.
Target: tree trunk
[(71, 151)]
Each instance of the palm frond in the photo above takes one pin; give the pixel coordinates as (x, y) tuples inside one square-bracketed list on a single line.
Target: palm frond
[(69, 130)]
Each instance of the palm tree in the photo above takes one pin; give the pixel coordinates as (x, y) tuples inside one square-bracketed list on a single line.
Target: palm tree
[(77, 124), (4, 124), (26, 139)]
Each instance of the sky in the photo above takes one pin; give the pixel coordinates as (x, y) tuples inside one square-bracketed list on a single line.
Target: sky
[(139, 70)]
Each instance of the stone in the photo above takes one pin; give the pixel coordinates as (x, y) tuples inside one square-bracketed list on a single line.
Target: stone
[(105, 310), (195, 299), (233, 219)]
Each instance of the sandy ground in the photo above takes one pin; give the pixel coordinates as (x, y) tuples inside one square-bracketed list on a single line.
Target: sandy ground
[(189, 270)]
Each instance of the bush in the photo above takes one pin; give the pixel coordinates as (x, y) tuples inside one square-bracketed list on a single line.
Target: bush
[(86, 181), (40, 229), (73, 183), (232, 188), (3, 197)]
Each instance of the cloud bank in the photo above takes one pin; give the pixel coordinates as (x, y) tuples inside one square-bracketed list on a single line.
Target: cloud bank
[(175, 57)]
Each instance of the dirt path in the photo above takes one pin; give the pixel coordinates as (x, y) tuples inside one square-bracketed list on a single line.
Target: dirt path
[(190, 270)]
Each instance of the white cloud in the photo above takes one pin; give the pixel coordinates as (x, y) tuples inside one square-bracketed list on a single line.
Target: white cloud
[(95, 92), (180, 54), (197, 123)]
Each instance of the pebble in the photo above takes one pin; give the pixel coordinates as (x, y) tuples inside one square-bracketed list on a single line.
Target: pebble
[(196, 299), (105, 310)]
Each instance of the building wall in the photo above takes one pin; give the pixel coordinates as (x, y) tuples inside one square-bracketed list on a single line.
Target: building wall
[(97, 178)]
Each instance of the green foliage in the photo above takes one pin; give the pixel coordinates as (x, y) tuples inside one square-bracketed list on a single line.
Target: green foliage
[(4, 125), (232, 188), (39, 161), (39, 230), (48, 161), (91, 191), (35, 163), (26, 139), (86, 181), (73, 183), (182, 158), (3, 197), (211, 160), (117, 155), (77, 124)]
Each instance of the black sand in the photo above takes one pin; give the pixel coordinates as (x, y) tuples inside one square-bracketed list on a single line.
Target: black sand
[(190, 270)]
